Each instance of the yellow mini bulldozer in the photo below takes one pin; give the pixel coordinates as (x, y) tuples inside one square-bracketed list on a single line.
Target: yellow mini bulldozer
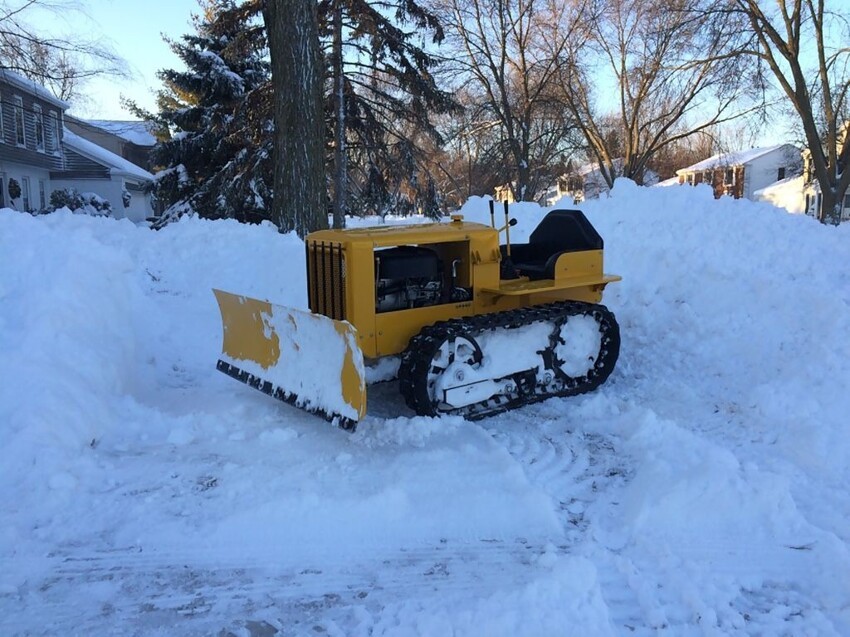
[(468, 326)]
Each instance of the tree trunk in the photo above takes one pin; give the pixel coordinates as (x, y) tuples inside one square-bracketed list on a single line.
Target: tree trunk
[(340, 186), (829, 211), (300, 192)]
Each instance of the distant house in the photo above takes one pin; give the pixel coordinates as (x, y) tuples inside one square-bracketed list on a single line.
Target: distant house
[(91, 168), (580, 184), (741, 174), (38, 155), (503, 193), (586, 182), (131, 139)]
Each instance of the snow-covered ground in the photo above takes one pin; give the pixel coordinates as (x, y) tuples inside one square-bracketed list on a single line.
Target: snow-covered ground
[(701, 491)]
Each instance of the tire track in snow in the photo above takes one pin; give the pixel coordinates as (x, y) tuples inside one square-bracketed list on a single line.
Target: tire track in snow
[(146, 589), (578, 468), (575, 467)]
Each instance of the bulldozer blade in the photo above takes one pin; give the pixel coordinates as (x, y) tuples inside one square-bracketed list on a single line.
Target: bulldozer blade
[(304, 359)]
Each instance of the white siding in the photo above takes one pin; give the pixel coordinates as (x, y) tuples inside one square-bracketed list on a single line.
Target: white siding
[(763, 171)]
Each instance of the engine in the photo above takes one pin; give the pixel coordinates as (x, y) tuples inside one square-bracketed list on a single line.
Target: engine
[(407, 277)]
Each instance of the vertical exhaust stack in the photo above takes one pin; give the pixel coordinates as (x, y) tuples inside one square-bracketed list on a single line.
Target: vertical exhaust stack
[(506, 267)]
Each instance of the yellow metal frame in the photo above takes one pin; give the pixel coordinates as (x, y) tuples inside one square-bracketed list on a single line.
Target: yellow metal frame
[(579, 276)]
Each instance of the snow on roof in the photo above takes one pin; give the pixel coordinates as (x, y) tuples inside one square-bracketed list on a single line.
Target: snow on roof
[(117, 164), (593, 167), (134, 131), (730, 159), (32, 87), (673, 181)]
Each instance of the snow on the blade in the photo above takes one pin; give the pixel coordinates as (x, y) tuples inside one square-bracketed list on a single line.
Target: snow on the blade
[(312, 377), (701, 490)]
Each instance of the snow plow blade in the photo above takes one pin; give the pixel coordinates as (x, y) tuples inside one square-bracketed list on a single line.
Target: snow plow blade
[(304, 359)]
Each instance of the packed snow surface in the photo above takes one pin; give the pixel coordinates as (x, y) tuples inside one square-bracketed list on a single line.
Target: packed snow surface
[(701, 491)]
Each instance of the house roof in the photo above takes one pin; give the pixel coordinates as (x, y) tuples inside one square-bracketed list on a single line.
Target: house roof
[(724, 160), (673, 181), (593, 167), (25, 84), (134, 131), (117, 164)]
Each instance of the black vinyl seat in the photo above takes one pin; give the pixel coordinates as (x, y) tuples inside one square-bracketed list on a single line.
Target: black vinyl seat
[(560, 231)]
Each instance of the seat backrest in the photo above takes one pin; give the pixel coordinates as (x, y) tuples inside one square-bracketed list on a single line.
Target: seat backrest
[(566, 231)]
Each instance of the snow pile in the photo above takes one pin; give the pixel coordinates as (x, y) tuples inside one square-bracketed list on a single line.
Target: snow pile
[(701, 490), (786, 193)]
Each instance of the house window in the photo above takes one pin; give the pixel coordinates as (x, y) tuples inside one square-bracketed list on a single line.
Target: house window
[(20, 130), (2, 128), (39, 128), (42, 196), (847, 201), (53, 132), (707, 178), (25, 192), (2, 190), (781, 174), (729, 177), (690, 179)]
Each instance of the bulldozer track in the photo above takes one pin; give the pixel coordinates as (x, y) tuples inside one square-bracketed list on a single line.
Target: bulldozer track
[(417, 360)]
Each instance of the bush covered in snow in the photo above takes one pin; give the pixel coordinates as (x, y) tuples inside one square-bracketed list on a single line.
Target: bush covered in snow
[(87, 203)]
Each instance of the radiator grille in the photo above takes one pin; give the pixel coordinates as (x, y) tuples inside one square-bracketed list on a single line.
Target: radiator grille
[(326, 279)]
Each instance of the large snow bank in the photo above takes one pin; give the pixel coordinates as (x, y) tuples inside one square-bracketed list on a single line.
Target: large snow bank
[(786, 193), (702, 490)]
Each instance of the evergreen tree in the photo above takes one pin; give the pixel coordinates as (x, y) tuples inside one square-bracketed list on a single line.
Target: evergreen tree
[(215, 119), (383, 93)]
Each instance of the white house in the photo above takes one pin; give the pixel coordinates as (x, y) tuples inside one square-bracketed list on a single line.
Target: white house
[(91, 168), (741, 174), (30, 141), (38, 155), (584, 182)]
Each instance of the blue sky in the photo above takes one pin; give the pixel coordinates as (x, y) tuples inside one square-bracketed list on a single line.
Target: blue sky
[(133, 28)]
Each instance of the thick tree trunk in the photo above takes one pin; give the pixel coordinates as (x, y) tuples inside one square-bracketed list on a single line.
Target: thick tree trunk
[(300, 191)]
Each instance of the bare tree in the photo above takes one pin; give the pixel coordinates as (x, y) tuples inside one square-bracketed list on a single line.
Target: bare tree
[(470, 161), (640, 75), (60, 63), (507, 52), (815, 80), (299, 201)]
